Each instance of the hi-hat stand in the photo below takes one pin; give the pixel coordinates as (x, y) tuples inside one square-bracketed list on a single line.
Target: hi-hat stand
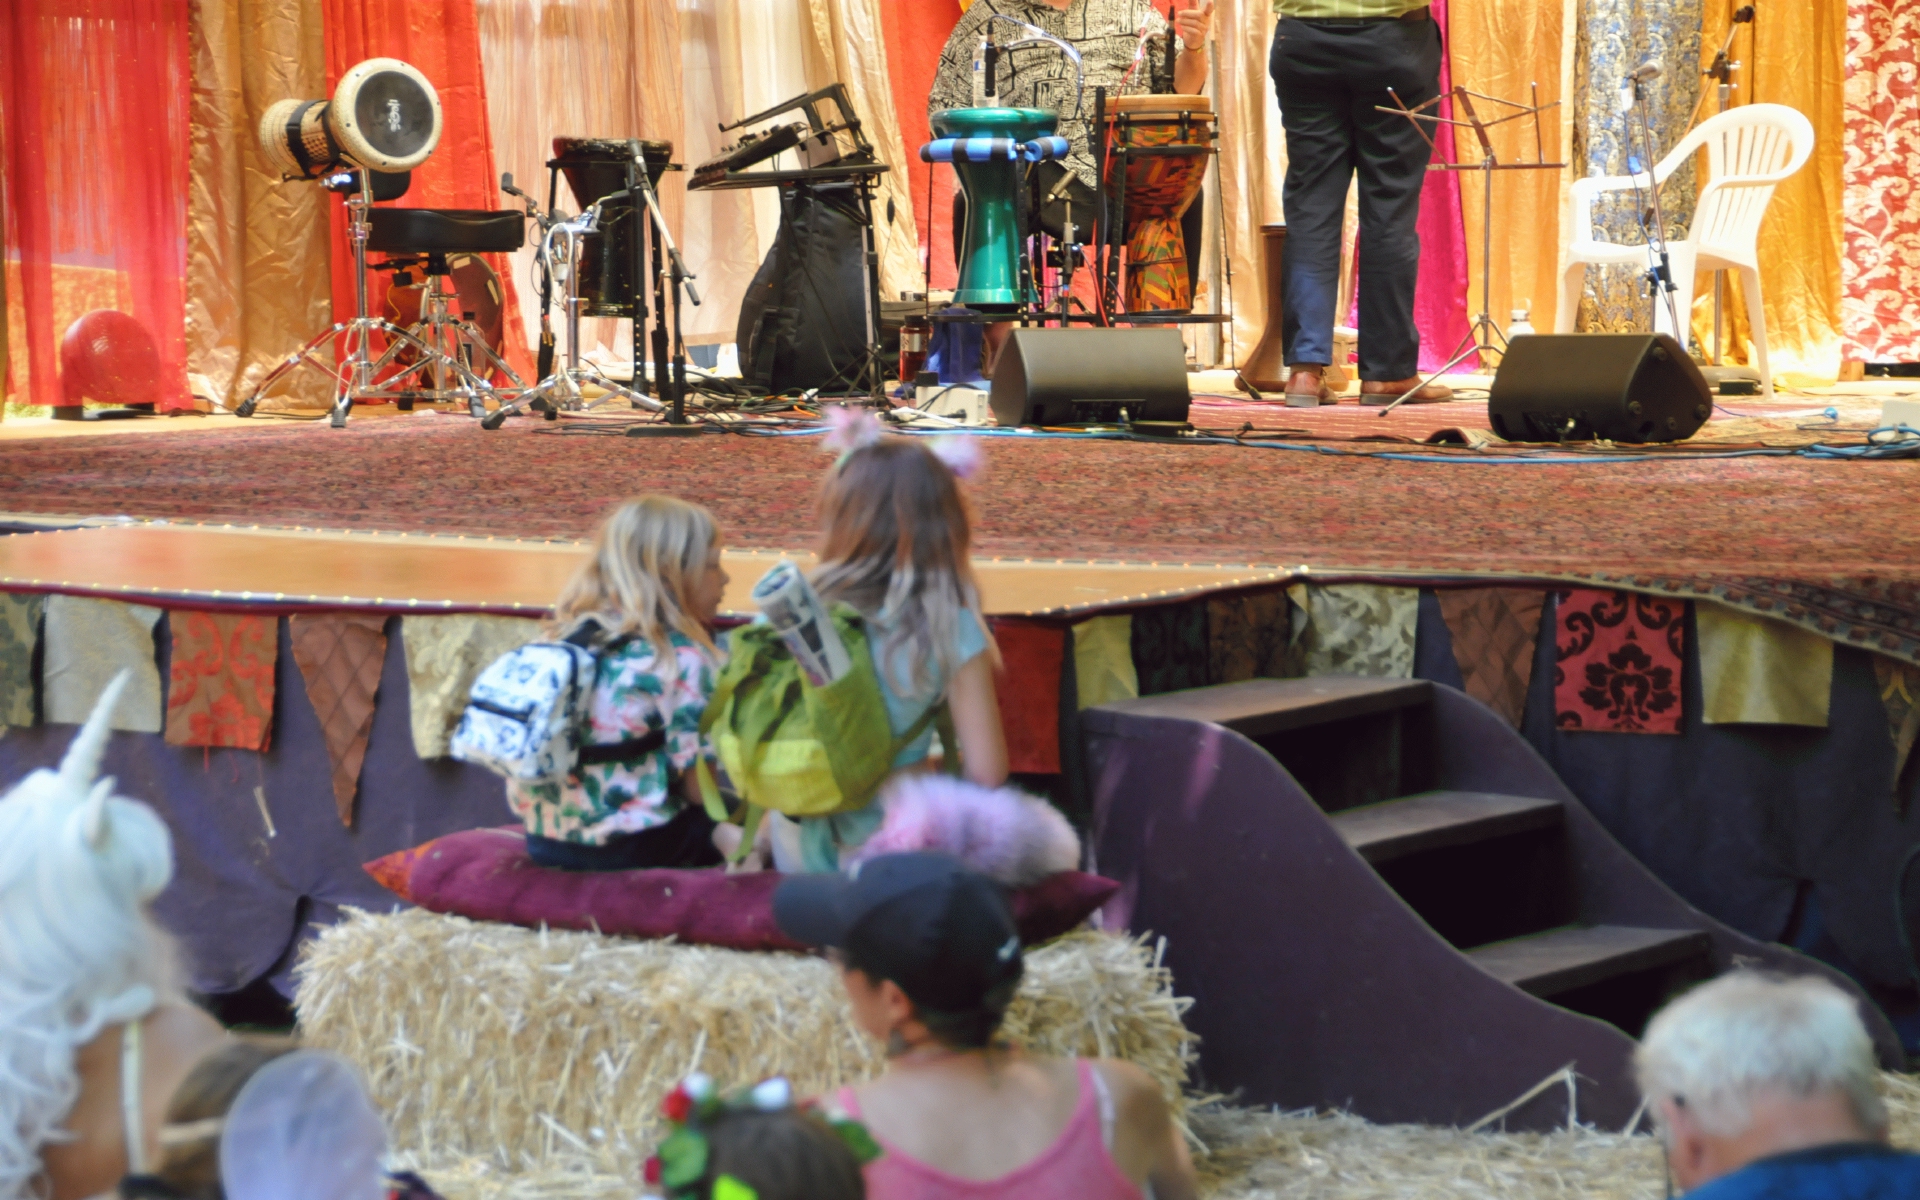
[(562, 389), (1484, 336), (358, 376)]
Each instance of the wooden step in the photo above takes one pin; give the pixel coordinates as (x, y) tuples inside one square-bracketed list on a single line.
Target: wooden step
[(1259, 707), (1394, 829), (1560, 960)]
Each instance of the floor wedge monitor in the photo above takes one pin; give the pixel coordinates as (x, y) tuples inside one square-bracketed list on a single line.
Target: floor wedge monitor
[(1624, 387), (1075, 376)]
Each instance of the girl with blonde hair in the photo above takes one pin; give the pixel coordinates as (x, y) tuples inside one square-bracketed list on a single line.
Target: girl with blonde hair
[(896, 536), (645, 600)]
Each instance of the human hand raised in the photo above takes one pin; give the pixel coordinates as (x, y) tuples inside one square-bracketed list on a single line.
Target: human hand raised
[(1194, 24)]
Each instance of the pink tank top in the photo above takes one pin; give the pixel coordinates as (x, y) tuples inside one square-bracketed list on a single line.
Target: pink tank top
[(1076, 1165)]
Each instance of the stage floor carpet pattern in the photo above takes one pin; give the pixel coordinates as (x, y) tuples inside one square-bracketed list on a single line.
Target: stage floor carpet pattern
[(1823, 543)]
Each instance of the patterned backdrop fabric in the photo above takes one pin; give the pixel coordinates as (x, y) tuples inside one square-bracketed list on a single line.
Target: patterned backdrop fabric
[(90, 641), (1617, 662), (19, 637), (222, 679), (1880, 272), (1494, 632), (1357, 628), (1613, 38), (340, 656)]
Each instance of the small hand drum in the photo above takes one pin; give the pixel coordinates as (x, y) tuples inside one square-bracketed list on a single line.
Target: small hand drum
[(989, 253), (384, 116), (1158, 147)]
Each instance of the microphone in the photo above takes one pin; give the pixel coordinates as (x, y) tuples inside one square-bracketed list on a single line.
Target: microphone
[(1744, 16), (1645, 71)]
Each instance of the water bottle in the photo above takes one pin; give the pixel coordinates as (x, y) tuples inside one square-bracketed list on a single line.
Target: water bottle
[(1520, 327)]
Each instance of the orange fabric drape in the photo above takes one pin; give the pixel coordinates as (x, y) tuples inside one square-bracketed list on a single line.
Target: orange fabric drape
[(916, 32), (258, 275), (1796, 56), (1502, 48), (442, 39)]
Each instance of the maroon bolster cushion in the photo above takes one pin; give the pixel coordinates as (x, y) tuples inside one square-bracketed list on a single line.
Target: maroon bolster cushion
[(485, 874)]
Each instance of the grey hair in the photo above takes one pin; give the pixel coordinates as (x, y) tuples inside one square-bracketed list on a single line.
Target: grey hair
[(1728, 1042)]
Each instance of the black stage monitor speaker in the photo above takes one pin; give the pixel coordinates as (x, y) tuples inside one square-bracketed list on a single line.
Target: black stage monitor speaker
[(1625, 387), (1075, 376)]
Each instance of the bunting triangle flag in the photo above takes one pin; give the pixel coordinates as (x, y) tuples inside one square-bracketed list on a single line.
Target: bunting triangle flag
[(340, 656), (1496, 633), (1900, 694)]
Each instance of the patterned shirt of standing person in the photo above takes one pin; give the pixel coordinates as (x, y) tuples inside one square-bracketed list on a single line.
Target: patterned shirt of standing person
[(631, 698), (1106, 32)]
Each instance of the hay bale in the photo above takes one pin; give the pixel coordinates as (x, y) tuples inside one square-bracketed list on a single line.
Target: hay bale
[(1255, 1155), (552, 1049)]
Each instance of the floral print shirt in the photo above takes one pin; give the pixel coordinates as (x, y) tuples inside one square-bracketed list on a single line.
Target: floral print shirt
[(632, 697)]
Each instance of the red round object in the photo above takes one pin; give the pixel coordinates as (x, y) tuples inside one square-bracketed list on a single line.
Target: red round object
[(109, 358)]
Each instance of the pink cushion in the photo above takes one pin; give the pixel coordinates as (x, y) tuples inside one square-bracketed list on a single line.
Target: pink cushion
[(485, 874)]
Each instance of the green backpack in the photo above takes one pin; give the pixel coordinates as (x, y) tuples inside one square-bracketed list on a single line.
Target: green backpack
[(794, 748)]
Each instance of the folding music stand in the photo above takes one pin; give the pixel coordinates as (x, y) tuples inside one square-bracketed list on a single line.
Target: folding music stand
[(1481, 336)]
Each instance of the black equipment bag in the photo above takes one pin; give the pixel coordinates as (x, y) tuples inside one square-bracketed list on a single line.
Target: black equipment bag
[(803, 323)]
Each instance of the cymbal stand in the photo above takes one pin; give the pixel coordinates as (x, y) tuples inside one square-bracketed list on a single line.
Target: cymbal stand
[(561, 390), (1484, 336), (355, 376)]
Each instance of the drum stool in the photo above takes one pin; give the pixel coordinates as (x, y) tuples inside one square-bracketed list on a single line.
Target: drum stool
[(424, 238)]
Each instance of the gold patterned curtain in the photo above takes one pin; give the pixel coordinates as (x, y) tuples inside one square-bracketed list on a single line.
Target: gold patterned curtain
[(258, 281), (1795, 55), (1503, 48)]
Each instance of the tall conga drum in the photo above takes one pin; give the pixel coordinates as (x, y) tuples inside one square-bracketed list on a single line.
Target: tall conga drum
[(991, 176), (1158, 147)]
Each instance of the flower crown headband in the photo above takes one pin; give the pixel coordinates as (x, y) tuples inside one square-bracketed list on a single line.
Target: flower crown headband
[(851, 429), (681, 1162)]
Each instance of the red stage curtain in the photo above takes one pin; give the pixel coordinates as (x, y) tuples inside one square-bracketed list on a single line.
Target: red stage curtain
[(95, 97), (442, 39), (916, 32)]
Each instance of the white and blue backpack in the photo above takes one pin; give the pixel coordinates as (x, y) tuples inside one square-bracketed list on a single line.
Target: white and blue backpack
[(527, 712)]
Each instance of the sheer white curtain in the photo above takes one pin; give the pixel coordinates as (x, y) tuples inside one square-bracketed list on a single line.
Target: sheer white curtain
[(580, 68), (1253, 153), (738, 57)]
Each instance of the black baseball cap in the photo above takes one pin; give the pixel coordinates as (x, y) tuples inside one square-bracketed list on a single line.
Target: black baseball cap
[(943, 933)]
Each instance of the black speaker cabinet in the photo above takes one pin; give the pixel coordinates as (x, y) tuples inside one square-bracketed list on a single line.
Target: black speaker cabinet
[(1074, 376), (1625, 387)]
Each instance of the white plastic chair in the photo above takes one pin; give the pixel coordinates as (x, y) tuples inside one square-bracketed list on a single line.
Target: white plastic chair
[(1750, 149)]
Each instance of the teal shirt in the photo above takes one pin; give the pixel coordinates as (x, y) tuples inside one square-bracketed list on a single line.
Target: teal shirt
[(823, 838)]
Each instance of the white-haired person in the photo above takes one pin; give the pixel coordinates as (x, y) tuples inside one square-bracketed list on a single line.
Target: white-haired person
[(95, 1034), (1765, 1087)]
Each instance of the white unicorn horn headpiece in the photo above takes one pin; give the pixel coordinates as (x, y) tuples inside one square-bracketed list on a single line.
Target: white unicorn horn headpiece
[(76, 784)]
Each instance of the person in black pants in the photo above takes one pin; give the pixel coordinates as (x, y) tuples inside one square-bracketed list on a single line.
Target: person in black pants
[(1330, 72)]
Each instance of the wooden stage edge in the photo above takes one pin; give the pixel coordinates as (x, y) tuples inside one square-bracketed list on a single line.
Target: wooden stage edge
[(261, 567)]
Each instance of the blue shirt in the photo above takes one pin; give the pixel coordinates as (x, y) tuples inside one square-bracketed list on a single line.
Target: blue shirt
[(1847, 1171)]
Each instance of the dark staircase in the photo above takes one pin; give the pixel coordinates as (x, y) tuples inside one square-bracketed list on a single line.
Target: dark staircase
[(1381, 899)]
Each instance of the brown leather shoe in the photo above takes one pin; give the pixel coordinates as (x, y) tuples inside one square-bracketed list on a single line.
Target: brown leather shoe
[(1305, 389), (1380, 392)]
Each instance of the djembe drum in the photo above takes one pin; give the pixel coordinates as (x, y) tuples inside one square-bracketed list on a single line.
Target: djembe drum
[(1157, 151), (597, 167), (990, 149)]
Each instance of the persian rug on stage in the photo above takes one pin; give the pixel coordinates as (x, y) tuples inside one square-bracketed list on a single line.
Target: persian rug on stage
[(1815, 542)]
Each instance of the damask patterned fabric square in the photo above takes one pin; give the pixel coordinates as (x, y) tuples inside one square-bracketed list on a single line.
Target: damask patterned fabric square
[(1618, 662), (221, 693), (1880, 271)]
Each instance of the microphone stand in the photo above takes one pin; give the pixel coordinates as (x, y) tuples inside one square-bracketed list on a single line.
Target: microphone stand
[(1659, 269), (680, 279)]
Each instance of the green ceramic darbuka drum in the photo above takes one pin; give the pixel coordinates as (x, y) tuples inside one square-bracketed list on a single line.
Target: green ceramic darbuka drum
[(989, 251)]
